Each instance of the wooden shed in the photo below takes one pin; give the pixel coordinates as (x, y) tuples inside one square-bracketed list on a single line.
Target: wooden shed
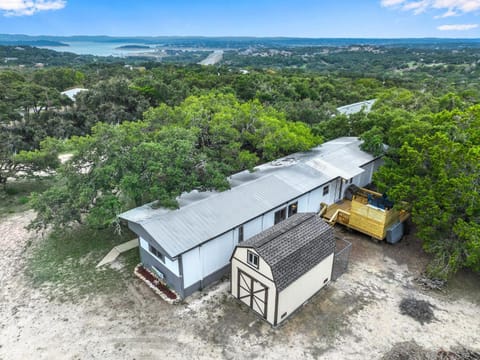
[(278, 270)]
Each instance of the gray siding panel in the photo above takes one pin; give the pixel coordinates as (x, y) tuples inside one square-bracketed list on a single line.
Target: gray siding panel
[(171, 279)]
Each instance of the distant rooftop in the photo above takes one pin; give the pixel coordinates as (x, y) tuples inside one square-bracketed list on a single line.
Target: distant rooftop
[(71, 93), (204, 215), (357, 107)]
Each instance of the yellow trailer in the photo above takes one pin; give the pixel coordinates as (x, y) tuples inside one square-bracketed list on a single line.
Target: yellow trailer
[(368, 212)]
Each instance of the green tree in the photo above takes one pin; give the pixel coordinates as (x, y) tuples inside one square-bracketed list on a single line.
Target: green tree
[(438, 174), (119, 167), (195, 145)]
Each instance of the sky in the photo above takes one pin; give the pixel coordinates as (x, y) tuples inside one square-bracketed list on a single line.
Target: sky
[(262, 18)]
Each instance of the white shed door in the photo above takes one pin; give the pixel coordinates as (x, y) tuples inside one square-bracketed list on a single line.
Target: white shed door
[(253, 293)]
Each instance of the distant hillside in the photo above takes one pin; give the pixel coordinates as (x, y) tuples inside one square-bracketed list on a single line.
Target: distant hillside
[(239, 42), (33, 43), (28, 56)]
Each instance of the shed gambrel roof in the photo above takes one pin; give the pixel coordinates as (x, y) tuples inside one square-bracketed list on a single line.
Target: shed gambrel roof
[(203, 216), (293, 247)]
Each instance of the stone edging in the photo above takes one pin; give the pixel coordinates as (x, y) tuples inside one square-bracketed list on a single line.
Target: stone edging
[(155, 289)]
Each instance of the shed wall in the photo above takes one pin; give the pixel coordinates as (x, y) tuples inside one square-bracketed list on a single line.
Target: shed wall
[(263, 267), (304, 288), (237, 265)]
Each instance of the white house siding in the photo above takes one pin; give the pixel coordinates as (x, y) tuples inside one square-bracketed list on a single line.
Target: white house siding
[(169, 264), (316, 196), (269, 218), (191, 267), (366, 177), (215, 254), (235, 236), (207, 258), (304, 288), (302, 203), (263, 275), (251, 228), (377, 163)]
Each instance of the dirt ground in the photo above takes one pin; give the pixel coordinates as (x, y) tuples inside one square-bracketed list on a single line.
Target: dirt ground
[(356, 317)]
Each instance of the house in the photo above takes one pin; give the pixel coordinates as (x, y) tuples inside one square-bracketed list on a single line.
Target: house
[(191, 246), (278, 270), (350, 109), (72, 93)]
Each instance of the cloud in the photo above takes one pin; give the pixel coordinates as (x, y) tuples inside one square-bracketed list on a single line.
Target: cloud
[(449, 13), (387, 3), (29, 7), (457, 27), (451, 7)]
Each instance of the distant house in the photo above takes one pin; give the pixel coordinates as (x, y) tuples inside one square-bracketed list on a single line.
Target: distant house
[(191, 247), (350, 109), (278, 270), (72, 93)]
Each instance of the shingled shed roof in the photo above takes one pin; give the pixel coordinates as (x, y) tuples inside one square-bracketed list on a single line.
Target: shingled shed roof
[(293, 246)]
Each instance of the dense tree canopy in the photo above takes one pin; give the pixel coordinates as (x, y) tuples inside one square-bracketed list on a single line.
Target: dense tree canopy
[(149, 133), (174, 150), (437, 172)]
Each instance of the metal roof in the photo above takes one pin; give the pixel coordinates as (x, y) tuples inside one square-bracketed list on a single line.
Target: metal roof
[(204, 215), (357, 107), (71, 93), (293, 247)]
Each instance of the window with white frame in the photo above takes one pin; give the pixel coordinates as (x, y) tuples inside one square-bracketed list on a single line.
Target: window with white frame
[(326, 190), (252, 259)]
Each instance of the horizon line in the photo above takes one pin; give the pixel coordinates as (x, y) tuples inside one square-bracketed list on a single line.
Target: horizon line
[(248, 37)]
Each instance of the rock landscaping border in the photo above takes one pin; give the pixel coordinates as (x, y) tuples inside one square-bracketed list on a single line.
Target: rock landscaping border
[(157, 285)]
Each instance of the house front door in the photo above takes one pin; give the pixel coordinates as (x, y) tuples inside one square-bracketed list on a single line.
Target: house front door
[(253, 293)]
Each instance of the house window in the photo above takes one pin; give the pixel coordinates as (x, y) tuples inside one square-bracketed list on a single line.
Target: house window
[(240, 234), (326, 189), (280, 215), (252, 259), (157, 253), (292, 209)]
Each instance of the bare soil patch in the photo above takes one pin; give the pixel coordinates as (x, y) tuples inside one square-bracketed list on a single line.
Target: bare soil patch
[(356, 317)]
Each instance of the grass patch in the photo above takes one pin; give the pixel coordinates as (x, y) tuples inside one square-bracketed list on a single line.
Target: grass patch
[(64, 263), (15, 197)]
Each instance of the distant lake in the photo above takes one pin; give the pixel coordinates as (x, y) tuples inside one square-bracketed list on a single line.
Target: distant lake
[(98, 48)]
